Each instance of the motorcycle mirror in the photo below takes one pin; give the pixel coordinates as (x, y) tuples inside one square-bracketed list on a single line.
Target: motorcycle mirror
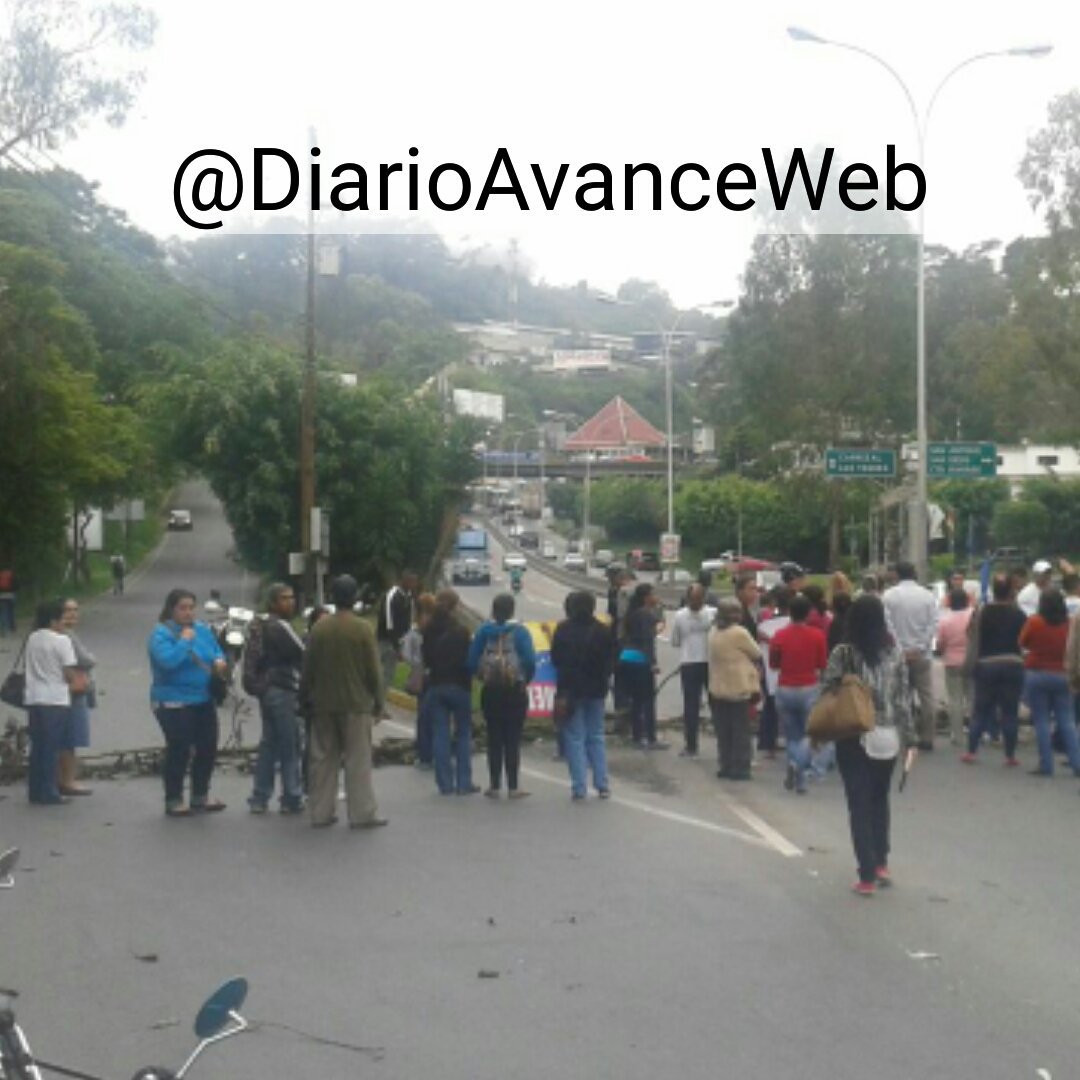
[(7, 864), (218, 1007)]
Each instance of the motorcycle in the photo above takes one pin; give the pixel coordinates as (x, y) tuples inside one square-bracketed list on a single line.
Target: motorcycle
[(515, 580), (218, 1019)]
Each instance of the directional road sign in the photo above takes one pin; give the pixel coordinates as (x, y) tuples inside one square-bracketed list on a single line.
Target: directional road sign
[(961, 460), (860, 464)]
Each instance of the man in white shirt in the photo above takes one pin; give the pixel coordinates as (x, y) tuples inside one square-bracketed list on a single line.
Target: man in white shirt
[(1031, 593), (768, 725), (912, 615), (690, 635), (50, 672)]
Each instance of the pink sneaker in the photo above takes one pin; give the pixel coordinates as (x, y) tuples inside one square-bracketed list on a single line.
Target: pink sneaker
[(864, 888), (884, 878), (968, 759), (1011, 762)]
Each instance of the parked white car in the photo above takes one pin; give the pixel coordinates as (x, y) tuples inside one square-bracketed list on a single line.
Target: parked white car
[(515, 560), (574, 560)]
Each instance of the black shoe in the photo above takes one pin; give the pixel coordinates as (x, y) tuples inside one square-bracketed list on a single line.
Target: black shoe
[(723, 774), (789, 779), (739, 776), (925, 746)]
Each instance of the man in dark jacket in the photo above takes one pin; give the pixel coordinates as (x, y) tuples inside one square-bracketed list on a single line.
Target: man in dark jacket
[(446, 658), (342, 681), (394, 621), (279, 671)]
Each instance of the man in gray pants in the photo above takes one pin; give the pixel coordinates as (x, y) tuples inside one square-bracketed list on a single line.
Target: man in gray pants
[(912, 614)]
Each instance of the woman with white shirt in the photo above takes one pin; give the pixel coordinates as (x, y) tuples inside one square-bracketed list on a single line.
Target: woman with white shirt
[(52, 675), (690, 635)]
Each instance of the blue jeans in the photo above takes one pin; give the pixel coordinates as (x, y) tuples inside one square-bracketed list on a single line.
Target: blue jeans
[(997, 690), (280, 743), (443, 702), (584, 742), (1047, 692), (48, 729), (794, 703)]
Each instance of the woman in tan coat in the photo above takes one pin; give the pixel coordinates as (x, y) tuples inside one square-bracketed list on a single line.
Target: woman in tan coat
[(734, 682)]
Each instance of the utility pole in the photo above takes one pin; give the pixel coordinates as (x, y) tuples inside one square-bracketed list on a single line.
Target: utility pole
[(307, 417)]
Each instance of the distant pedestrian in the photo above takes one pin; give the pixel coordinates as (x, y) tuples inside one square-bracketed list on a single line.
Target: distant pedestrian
[(581, 656), (912, 614), (279, 663), (183, 654), (1046, 688), (748, 593), (1042, 579), (51, 676), (799, 654), (395, 619), (840, 605), (867, 763), (503, 658), (621, 592), (412, 652), (997, 667), (78, 732), (820, 617), (690, 635), (637, 661), (7, 601), (342, 680), (952, 645), (734, 683), (118, 565), (446, 657), (769, 725), (1070, 586)]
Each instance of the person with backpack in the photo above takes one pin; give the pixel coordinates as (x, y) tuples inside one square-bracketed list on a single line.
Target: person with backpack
[(503, 658), (273, 658)]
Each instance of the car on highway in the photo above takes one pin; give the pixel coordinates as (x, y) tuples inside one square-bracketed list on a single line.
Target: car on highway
[(529, 539), (470, 571), (643, 560), (180, 521), (515, 560), (515, 530), (574, 560), (722, 562), (548, 550), (603, 558), (748, 564)]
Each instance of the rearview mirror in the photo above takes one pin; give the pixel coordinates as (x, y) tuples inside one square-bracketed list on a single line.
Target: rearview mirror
[(7, 864), (219, 1007)]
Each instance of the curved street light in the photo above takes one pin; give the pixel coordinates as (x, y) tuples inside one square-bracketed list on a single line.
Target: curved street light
[(918, 531)]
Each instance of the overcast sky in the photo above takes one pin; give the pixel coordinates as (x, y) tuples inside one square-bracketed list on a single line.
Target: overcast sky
[(580, 81)]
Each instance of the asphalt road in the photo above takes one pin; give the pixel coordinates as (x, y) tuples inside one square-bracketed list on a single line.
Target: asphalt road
[(686, 928)]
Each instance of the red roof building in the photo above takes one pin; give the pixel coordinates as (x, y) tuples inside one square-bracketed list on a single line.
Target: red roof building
[(617, 426)]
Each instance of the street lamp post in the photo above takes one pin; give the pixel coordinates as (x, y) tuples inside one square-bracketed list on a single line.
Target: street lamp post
[(918, 530)]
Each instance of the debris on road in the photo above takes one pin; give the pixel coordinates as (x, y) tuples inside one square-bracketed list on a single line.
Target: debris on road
[(923, 955), (487, 973)]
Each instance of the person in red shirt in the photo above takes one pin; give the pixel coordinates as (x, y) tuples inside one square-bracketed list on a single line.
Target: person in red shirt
[(798, 652), (1046, 688)]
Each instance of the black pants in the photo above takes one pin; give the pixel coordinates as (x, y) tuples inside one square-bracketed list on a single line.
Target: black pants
[(731, 722), (695, 678), (504, 711), (866, 785), (191, 737), (998, 686), (641, 686), (768, 724)]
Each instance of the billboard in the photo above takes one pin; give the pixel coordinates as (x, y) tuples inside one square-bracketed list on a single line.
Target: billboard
[(476, 403)]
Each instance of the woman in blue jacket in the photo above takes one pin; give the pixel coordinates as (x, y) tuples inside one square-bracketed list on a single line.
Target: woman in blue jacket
[(503, 657), (183, 653)]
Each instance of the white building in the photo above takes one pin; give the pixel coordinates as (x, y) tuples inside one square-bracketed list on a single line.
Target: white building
[(1029, 460)]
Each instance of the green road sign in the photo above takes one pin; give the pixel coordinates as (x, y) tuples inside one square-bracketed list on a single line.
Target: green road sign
[(860, 464), (961, 460)]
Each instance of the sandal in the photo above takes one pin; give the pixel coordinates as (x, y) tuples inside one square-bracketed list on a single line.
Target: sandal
[(210, 807)]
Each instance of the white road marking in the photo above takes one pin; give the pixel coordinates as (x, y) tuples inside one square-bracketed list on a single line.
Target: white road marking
[(767, 836)]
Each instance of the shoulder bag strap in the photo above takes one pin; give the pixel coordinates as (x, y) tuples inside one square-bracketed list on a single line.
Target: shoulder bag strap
[(19, 664)]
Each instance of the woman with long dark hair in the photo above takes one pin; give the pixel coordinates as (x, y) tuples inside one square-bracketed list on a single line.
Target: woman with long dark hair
[(637, 661), (1046, 688), (183, 655), (866, 763)]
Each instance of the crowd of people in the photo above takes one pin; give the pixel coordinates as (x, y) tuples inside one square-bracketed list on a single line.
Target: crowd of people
[(760, 662)]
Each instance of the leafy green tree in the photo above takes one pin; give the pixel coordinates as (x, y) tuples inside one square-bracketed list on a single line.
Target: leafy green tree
[(1022, 523), (628, 507), (59, 68)]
